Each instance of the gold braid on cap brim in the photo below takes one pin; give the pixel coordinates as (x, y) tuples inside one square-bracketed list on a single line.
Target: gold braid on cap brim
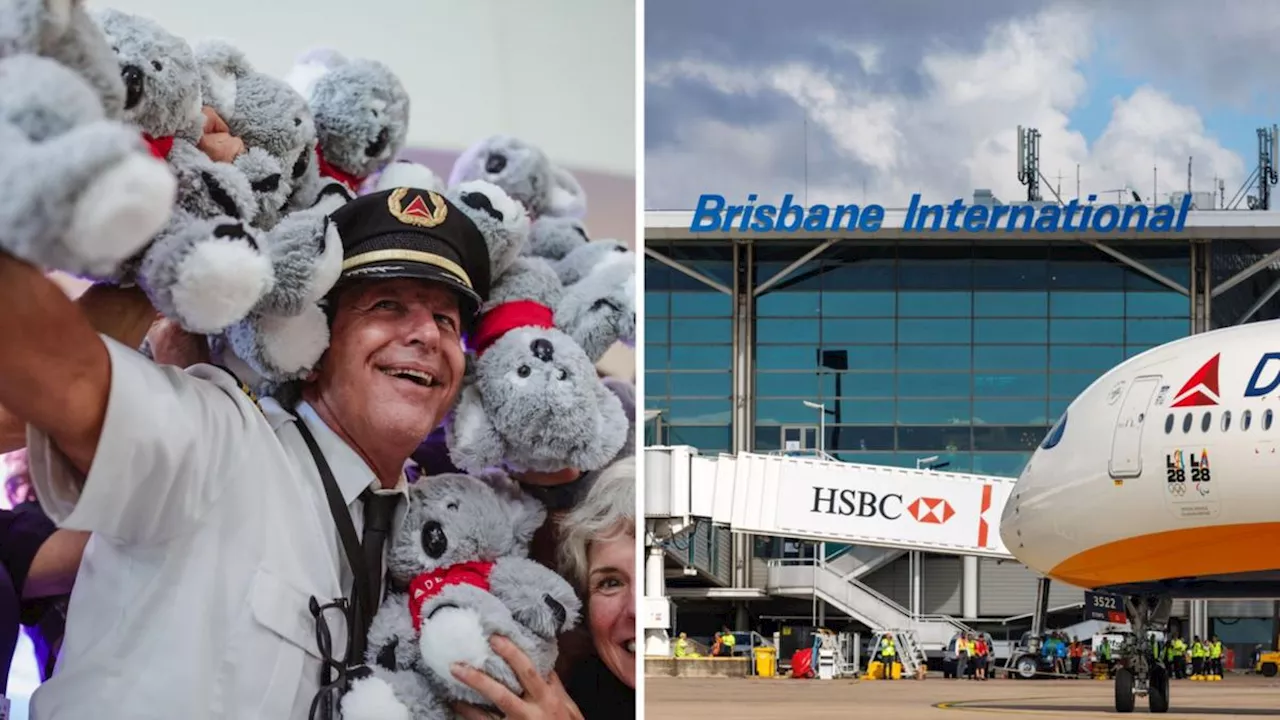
[(418, 256)]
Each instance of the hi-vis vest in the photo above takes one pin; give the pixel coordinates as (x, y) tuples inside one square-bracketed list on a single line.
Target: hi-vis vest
[(1215, 650), (1197, 650), (886, 647)]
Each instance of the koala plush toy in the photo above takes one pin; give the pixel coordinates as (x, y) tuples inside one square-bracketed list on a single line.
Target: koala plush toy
[(207, 268), (532, 400), (361, 114), (525, 173), (270, 116), (459, 561), (79, 192)]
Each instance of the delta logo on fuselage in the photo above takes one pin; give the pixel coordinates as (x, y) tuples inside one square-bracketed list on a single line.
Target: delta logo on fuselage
[(1202, 389)]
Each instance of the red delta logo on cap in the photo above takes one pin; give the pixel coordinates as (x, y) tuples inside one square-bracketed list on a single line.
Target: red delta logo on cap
[(931, 511), (1202, 388)]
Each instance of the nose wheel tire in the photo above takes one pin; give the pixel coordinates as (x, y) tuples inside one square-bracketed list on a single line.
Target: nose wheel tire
[(1124, 690), (1158, 690)]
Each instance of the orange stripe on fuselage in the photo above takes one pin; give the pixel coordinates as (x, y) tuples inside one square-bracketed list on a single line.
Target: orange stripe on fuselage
[(1193, 552)]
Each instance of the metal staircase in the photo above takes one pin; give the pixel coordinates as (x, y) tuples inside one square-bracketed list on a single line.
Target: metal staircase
[(804, 578), (907, 646)]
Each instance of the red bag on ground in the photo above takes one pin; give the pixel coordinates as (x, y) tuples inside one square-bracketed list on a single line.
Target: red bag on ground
[(802, 663)]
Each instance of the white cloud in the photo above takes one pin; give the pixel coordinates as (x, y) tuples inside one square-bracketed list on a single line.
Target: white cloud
[(957, 135)]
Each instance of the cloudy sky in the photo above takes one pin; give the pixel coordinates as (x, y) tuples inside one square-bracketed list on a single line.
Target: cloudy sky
[(904, 96)]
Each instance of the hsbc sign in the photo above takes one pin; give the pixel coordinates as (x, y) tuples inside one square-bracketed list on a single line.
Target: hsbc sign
[(934, 511), (869, 505)]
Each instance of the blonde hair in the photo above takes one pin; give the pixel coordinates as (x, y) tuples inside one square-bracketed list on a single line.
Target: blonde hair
[(609, 509)]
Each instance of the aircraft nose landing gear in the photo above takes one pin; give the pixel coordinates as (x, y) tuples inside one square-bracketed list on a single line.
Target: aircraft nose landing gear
[(1141, 673)]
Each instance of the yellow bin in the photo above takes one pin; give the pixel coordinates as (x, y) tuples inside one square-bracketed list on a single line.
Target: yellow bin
[(766, 661)]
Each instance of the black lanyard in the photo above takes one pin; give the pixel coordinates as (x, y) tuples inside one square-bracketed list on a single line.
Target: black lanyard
[(366, 596)]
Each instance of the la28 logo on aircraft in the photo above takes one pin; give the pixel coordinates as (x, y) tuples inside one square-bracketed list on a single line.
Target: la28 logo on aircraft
[(1182, 468)]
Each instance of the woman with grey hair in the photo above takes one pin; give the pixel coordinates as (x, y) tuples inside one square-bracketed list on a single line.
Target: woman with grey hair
[(598, 555)]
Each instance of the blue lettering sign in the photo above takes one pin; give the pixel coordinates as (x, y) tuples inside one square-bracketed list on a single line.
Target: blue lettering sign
[(1253, 389), (715, 214)]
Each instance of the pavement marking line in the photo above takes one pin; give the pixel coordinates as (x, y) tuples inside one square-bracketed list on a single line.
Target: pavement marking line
[(961, 705)]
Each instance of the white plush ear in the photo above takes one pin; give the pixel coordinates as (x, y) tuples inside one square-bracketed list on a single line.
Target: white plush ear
[(567, 197), (221, 65), (329, 268), (310, 67), (293, 345), (404, 173)]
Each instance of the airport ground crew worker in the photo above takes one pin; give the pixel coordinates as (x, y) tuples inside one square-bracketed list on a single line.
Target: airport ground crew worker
[(1215, 657), (1198, 655), (727, 641), (212, 531), (682, 647), (1178, 657), (1075, 652), (888, 655)]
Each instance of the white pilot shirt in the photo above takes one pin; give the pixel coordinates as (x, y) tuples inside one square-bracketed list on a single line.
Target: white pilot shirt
[(211, 532)]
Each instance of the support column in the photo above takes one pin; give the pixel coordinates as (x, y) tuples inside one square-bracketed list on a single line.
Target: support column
[(657, 616), (822, 612), (917, 561), (969, 587), (1040, 618), (1201, 321), (743, 326)]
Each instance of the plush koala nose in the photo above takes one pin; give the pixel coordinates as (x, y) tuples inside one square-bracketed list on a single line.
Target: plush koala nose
[(434, 541), (235, 232), (379, 144), (557, 610), (495, 164), (270, 183), (133, 77), (542, 349)]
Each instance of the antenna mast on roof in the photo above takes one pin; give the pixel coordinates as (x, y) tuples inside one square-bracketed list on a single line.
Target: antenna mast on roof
[(1029, 161)]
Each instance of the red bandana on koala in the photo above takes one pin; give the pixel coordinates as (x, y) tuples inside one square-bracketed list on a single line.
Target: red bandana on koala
[(326, 170), (507, 317), (160, 147), (428, 585)]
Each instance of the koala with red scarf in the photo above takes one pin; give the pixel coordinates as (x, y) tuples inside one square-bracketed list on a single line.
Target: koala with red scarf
[(532, 399), (460, 573)]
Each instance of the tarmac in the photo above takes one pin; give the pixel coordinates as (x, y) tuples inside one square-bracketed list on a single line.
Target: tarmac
[(941, 699)]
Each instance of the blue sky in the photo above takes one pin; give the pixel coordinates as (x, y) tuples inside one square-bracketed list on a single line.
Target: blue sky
[(925, 95)]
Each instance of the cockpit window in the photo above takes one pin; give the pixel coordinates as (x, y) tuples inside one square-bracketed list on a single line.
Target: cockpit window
[(1055, 435)]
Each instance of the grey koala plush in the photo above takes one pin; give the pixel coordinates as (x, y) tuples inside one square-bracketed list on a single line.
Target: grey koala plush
[(266, 114), (78, 192), (361, 113), (587, 257), (217, 285), (525, 173), (554, 237), (600, 309), (459, 564), (62, 30), (287, 332), (532, 399)]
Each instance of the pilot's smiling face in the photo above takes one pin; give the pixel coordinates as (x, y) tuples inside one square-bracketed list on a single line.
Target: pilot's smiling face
[(395, 360)]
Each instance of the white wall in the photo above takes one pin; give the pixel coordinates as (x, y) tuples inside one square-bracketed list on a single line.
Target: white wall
[(557, 73)]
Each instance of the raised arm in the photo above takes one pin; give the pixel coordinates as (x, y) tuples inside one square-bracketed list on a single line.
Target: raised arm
[(54, 371), (124, 314)]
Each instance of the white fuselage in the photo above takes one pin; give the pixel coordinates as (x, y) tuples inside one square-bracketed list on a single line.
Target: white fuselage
[(1163, 474)]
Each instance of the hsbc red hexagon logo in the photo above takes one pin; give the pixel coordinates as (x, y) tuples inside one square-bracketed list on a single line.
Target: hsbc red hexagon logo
[(932, 511)]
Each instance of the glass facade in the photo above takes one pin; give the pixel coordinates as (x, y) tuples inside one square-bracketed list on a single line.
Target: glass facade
[(968, 352)]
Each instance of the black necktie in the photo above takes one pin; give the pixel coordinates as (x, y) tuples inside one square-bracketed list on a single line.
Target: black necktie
[(378, 511)]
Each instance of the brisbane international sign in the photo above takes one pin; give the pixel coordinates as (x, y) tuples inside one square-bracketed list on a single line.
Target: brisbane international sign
[(715, 214)]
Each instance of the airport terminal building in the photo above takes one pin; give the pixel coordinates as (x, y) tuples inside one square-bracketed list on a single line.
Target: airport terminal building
[(955, 350)]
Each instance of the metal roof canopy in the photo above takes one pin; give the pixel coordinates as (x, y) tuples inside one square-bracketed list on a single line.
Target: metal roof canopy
[(1258, 229), (1200, 225)]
